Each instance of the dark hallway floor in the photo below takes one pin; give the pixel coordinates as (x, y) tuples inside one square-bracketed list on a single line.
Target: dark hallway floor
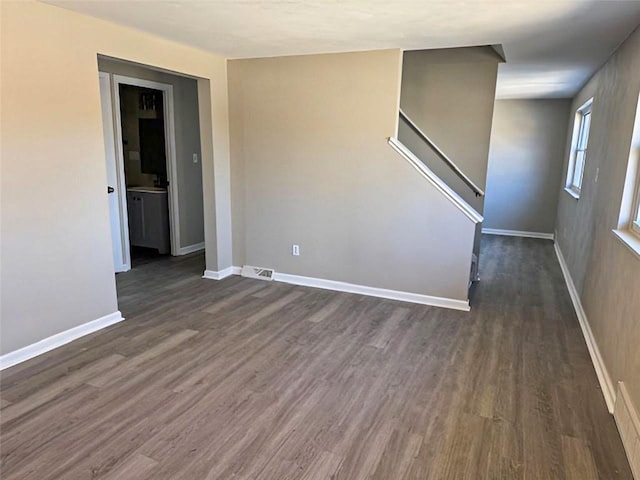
[(243, 379)]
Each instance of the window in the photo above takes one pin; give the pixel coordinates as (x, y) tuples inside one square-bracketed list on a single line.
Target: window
[(635, 218), (579, 144), (628, 230), (632, 183)]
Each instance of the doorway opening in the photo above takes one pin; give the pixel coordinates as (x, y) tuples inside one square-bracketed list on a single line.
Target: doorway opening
[(154, 175), (143, 136)]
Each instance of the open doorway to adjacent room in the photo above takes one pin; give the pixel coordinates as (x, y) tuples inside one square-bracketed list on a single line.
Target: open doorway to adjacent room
[(154, 173), (144, 146)]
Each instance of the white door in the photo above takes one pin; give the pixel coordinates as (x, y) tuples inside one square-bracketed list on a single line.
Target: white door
[(119, 240)]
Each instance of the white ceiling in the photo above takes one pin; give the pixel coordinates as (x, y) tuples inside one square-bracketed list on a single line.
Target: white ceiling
[(552, 47)]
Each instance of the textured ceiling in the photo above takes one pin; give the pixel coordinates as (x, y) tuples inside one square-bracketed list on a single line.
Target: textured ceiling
[(552, 47)]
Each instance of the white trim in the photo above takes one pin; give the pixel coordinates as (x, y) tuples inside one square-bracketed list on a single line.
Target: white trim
[(352, 288), (221, 274), (570, 187), (196, 247), (628, 422), (121, 262), (629, 240), (634, 223), (121, 189), (631, 193), (170, 139), (606, 384), (518, 233), (30, 351), (373, 291), (442, 187), (572, 192)]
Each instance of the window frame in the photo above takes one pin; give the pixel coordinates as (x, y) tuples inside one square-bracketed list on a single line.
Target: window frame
[(634, 223), (628, 230), (579, 146)]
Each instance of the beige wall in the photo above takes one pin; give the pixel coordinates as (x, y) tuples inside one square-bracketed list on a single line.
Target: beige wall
[(311, 166), (525, 164), (450, 95), (187, 128), (606, 273), (56, 264)]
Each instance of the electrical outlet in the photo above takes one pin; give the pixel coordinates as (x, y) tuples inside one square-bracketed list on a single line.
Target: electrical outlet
[(295, 250), (195, 158)]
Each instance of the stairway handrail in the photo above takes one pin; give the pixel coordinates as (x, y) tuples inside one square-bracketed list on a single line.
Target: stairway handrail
[(443, 156), (471, 213)]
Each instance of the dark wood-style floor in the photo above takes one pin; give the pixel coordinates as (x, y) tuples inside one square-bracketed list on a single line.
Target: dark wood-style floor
[(243, 379)]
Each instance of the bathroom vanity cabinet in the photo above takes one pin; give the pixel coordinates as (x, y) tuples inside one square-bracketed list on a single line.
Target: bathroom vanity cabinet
[(148, 210)]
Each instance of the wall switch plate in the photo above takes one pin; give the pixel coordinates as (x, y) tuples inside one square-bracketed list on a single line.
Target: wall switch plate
[(195, 158), (295, 250)]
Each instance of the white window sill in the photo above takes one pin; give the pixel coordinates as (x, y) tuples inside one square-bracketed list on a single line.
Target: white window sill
[(572, 192), (629, 240)]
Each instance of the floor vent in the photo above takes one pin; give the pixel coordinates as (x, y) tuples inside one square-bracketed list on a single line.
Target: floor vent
[(257, 272)]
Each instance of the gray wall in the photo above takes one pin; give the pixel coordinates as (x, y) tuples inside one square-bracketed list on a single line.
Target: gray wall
[(606, 272), (187, 126), (525, 164), (450, 94), (311, 166)]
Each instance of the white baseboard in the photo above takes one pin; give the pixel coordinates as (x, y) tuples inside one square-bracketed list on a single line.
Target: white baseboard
[(196, 247), (352, 288), (628, 422), (518, 233), (30, 351), (221, 274), (373, 291), (596, 358)]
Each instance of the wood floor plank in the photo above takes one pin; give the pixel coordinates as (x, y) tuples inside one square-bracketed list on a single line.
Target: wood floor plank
[(578, 460), (274, 307), (130, 365), (243, 379), (231, 299), (324, 467), (384, 333), (23, 440), (327, 310), (132, 468), (401, 451), (38, 399)]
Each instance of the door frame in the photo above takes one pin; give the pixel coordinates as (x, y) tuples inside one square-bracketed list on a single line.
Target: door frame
[(122, 261), (170, 150)]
